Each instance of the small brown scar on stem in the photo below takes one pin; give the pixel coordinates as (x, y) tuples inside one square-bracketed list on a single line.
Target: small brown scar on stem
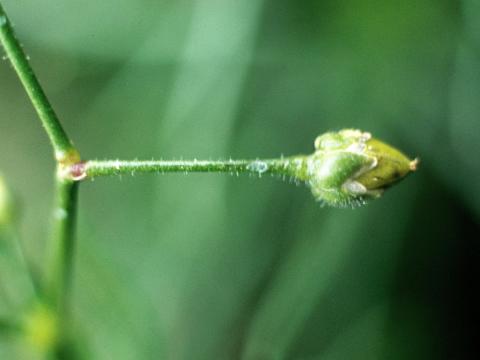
[(78, 171)]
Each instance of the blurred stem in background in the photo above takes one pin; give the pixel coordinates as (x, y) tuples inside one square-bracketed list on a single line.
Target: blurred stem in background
[(14, 249)]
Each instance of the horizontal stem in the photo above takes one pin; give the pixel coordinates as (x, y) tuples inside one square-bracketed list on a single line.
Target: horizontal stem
[(64, 150), (90, 169)]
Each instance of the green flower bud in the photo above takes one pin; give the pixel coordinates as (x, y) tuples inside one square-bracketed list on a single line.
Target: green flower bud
[(349, 167)]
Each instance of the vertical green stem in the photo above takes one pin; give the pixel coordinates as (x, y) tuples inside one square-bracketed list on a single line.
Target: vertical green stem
[(59, 272), (61, 143), (61, 262)]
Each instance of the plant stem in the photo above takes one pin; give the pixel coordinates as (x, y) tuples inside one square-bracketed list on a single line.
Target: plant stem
[(61, 262), (91, 169), (61, 143), (65, 153)]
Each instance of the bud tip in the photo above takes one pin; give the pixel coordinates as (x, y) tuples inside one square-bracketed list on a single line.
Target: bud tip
[(413, 165)]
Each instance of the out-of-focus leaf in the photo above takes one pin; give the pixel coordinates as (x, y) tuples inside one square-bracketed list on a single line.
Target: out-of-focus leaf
[(462, 169), (104, 30)]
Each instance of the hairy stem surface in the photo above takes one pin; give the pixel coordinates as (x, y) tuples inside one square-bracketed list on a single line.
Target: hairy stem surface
[(282, 166)]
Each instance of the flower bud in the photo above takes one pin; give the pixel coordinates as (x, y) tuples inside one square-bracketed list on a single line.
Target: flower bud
[(348, 167)]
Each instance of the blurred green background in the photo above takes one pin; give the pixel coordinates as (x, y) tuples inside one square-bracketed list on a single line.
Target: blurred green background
[(220, 267)]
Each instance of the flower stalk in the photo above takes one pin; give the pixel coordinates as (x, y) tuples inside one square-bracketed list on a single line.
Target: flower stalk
[(347, 168)]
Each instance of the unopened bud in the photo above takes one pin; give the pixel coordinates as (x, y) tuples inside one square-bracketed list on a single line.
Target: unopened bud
[(349, 167)]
